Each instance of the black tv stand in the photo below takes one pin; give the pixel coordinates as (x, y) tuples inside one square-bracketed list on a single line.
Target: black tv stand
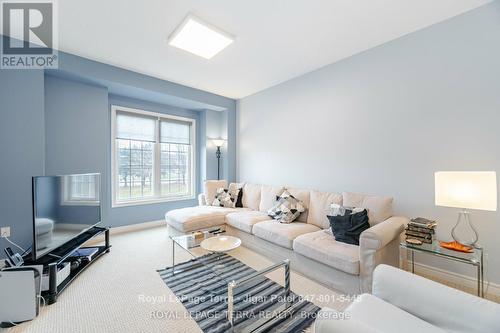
[(59, 255)]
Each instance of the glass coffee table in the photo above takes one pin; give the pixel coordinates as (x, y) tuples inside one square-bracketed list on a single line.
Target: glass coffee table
[(474, 258), (222, 274), (191, 243)]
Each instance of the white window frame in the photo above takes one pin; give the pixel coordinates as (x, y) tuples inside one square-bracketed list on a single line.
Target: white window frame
[(66, 199), (157, 149)]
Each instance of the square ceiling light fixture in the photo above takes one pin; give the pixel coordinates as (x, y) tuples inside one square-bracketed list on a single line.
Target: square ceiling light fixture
[(200, 38)]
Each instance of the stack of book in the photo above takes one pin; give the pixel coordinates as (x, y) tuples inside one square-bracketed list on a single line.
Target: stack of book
[(421, 229)]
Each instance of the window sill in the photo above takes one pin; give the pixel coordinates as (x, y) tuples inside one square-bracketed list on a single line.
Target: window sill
[(150, 201), (79, 203)]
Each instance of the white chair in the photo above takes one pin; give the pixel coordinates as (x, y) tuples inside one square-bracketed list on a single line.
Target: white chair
[(404, 302)]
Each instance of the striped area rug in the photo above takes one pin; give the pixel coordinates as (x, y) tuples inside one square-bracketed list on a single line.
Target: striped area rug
[(204, 294)]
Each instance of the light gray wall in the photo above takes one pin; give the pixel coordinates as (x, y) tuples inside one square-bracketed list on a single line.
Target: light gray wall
[(385, 120)]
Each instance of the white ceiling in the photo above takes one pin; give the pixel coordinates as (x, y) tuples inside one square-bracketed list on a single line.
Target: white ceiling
[(275, 39)]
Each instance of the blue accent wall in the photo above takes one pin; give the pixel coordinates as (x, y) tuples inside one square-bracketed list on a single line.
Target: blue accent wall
[(59, 122), (47, 197), (22, 149), (150, 212)]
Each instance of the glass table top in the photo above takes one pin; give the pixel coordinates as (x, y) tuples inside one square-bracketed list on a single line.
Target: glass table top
[(212, 275), (434, 248), (218, 263), (191, 242)]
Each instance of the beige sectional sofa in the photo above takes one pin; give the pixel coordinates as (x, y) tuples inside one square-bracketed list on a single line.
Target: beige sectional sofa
[(308, 241), (405, 302)]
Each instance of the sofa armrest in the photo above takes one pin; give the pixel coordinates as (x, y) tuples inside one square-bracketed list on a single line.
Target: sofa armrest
[(379, 245), (383, 233), (202, 200), (331, 321), (449, 309)]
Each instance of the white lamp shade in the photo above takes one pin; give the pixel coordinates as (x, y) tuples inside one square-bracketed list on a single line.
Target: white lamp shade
[(218, 142), (466, 189)]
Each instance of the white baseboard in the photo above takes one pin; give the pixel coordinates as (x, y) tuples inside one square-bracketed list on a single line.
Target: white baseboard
[(128, 228), (137, 227), (455, 278)]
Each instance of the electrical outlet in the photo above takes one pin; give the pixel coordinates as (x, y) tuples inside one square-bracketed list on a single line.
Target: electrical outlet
[(5, 232)]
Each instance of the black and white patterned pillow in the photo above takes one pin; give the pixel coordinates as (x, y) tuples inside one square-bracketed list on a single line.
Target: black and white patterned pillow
[(287, 208), (226, 198), (236, 191)]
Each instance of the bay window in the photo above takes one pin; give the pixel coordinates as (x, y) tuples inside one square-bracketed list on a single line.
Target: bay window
[(153, 157)]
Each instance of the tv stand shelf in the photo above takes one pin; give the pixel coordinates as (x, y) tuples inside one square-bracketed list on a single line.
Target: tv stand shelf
[(59, 255)]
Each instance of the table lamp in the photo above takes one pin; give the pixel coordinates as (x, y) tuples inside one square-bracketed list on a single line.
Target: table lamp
[(466, 190)]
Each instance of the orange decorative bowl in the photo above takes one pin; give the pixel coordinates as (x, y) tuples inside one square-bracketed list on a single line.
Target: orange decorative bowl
[(456, 246)]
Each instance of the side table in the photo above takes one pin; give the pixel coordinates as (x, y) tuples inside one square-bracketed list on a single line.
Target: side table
[(474, 258)]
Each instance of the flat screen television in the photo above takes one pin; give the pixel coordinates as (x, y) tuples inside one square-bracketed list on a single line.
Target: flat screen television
[(63, 208)]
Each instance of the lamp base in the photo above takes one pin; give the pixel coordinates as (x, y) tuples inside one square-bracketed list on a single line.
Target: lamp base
[(463, 221)]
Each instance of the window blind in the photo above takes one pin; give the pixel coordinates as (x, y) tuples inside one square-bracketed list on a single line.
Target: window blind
[(175, 132), (135, 127)]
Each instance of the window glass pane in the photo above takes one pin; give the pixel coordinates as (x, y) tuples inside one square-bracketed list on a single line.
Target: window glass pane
[(81, 188), (175, 132), (175, 169), (135, 169), (134, 127), (136, 147)]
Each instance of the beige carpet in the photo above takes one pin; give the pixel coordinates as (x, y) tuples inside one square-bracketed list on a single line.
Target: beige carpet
[(112, 294)]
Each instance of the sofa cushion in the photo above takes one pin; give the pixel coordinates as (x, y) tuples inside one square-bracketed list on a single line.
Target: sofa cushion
[(268, 196), (245, 220), (379, 208), (281, 234), (199, 217), (385, 317), (322, 246), (211, 187), (319, 207), (304, 197), (43, 225), (251, 196)]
